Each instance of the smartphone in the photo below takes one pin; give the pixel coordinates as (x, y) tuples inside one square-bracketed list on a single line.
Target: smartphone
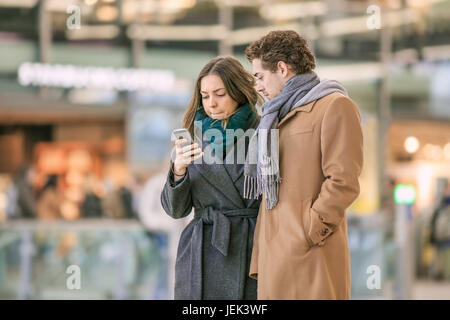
[(182, 133)]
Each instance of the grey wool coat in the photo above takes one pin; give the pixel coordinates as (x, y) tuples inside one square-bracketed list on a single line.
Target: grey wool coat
[(215, 248)]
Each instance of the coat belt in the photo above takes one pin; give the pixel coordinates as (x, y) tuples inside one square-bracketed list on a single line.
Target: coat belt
[(221, 224), (220, 238)]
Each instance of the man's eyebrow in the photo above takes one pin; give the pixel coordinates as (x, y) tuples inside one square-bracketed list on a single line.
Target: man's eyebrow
[(213, 91)]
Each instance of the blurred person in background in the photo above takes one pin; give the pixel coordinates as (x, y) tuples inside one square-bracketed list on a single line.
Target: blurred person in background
[(127, 201), (136, 185), (153, 217), (215, 248), (150, 211), (21, 196), (91, 207), (301, 244), (117, 204), (112, 205), (440, 232), (49, 200)]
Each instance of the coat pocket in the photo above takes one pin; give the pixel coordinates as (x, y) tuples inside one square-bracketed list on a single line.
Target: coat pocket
[(301, 130), (307, 222), (291, 234)]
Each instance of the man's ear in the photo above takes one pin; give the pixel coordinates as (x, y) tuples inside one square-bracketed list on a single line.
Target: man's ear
[(283, 68)]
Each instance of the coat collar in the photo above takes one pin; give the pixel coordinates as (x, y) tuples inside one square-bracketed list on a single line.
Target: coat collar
[(224, 179), (306, 108)]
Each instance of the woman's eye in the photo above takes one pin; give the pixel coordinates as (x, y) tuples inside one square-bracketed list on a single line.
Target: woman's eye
[(221, 95), (204, 97)]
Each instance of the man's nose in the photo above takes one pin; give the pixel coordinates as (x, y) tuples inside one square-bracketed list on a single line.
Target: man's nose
[(259, 88)]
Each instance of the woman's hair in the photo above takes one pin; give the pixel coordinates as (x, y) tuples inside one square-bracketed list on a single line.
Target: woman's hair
[(239, 84)]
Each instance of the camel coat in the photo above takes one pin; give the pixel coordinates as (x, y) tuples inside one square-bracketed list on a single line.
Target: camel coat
[(301, 245)]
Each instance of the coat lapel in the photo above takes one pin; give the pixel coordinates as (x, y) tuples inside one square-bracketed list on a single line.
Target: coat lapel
[(218, 176), (236, 171)]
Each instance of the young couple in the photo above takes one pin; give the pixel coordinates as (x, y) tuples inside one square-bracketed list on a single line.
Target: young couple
[(267, 234)]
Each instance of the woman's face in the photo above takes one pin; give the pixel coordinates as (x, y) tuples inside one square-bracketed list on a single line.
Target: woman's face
[(215, 99)]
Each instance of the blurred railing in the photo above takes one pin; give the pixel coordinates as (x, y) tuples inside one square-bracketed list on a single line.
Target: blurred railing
[(372, 254), (115, 259), (120, 259)]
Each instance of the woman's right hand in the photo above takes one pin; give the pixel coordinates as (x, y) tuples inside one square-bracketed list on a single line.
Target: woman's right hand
[(184, 156)]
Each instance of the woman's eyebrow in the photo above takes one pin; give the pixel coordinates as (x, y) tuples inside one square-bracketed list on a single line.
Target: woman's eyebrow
[(213, 91)]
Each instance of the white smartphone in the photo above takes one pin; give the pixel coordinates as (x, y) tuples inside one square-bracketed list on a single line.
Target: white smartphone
[(182, 133)]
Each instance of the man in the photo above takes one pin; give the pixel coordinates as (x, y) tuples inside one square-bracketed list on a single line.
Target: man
[(300, 242)]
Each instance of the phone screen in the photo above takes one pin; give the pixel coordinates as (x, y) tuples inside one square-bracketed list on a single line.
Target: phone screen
[(182, 133)]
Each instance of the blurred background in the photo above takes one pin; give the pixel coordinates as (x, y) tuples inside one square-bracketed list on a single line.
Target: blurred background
[(90, 91)]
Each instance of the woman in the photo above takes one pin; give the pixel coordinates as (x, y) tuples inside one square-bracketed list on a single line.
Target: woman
[(215, 248)]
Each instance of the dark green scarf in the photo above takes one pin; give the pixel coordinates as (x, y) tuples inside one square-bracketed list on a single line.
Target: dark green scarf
[(241, 119)]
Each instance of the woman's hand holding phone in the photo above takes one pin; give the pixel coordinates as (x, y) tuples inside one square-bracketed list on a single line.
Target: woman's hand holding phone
[(184, 156)]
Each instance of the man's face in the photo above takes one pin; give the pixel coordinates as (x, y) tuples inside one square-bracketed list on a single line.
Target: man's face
[(268, 83)]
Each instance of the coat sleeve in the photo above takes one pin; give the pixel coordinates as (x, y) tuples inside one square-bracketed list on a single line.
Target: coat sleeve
[(176, 197), (342, 160)]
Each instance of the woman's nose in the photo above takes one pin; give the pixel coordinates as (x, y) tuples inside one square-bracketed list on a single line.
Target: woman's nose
[(211, 102)]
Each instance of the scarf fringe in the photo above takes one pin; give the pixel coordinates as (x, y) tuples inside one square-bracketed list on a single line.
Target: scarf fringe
[(255, 186), (251, 187)]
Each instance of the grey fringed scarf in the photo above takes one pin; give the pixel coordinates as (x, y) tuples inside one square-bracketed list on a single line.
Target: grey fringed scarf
[(261, 168)]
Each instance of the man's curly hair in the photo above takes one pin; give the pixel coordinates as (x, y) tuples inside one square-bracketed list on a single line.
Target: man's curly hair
[(283, 45)]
